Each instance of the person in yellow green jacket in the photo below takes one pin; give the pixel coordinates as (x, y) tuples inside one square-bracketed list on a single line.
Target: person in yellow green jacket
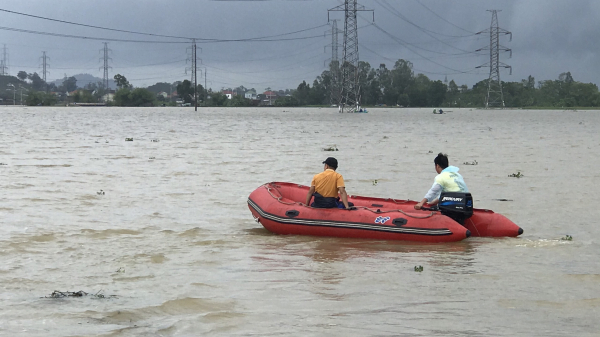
[(447, 180)]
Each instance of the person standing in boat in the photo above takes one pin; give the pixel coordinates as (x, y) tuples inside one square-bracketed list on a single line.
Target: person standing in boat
[(447, 180), (325, 187)]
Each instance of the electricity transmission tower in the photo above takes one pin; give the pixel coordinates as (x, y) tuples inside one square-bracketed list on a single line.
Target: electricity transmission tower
[(350, 88), (194, 71), (105, 67), (4, 62), (44, 67), (334, 65), (495, 97)]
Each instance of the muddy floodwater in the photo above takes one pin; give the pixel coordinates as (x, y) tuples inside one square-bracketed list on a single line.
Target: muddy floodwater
[(157, 234)]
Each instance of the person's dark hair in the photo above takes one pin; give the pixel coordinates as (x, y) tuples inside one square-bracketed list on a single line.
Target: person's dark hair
[(442, 160)]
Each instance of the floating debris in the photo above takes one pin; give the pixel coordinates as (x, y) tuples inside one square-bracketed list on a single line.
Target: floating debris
[(1, 164), (331, 148), (516, 175), (567, 238), (374, 182), (152, 158), (385, 137), (419, 268), (120, 270), (430, 151), (81, 293), (155, 140), (129, 139), (474, 162), (504, 199), (101, 192)]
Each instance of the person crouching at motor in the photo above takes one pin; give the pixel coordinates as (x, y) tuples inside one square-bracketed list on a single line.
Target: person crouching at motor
[(325, 187)]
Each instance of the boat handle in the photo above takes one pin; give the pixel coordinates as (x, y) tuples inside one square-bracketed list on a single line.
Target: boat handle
[(292, 213), (399, 222)]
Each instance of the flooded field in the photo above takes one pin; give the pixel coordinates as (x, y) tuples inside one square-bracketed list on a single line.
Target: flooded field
[(157, 231)]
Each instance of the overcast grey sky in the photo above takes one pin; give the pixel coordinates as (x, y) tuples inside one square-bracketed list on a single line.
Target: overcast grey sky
[(437, 36)]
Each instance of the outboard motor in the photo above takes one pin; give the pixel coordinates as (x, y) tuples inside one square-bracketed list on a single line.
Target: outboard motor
[(456, 205)]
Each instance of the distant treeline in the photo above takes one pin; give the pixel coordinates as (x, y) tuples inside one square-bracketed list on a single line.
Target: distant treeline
[(382, 86), (401, 87)]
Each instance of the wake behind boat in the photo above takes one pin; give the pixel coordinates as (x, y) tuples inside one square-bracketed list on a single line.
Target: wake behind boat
[(279, 207)]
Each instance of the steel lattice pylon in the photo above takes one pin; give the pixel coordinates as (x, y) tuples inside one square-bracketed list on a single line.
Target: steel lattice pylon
[(495, 97), (105, 67), (349, 86)]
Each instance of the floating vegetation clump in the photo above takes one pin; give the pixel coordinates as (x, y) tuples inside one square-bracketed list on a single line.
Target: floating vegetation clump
[(419, 268), (331, 148), (80, 293), (516, 175), (567, 238), (129, 139), (474, 162)]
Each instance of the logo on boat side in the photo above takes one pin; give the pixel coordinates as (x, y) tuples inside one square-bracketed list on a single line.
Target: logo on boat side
[(381, 219)]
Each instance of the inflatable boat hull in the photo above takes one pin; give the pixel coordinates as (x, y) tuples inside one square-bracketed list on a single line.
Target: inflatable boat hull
[(278, 206)]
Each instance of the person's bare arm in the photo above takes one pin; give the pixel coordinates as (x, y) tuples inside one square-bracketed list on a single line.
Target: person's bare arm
[(344, 196), (311, 191)]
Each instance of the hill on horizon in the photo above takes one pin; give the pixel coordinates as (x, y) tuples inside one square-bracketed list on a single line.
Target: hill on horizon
[(85, 79)]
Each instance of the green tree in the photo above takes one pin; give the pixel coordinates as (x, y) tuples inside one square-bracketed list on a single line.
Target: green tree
[(286, 101), (22, 75), (69, 84), (436, 93), (185, 91), (302, 93), (121, 81), (217, 99), (135, 97), (37, 83), (238, 100), (40, 98)]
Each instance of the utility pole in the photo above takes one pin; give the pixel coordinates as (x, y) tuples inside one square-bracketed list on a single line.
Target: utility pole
[(193, 70), (495, 97), (44, 68), (350, 88), (105, 59), (4, 63), (334, 66)]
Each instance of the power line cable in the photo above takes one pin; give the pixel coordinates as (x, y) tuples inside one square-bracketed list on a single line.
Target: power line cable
[(426, 31), (406, 46), (160, 35), (443, 19)]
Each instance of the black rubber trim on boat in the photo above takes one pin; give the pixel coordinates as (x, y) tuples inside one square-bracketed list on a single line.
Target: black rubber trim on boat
[(376, 205), (292, 213), (520, 231), (468, 233), (399, 222)]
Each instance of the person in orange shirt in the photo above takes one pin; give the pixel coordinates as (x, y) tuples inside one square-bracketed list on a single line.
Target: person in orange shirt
[(325, 187)]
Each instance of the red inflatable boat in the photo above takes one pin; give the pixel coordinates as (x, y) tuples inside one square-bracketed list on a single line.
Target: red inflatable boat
[(279, 207)]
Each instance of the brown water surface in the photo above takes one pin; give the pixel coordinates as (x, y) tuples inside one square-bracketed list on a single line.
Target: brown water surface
[(172, 237)]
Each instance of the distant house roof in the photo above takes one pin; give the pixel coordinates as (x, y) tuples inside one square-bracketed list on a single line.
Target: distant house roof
[(228, 92), (270, 93)]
